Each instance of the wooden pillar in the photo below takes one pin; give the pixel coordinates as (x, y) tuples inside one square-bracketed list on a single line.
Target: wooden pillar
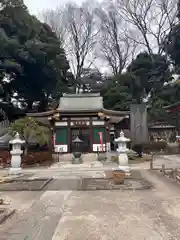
[(107, 132), (53, 132), (91, 134), (69, 134)]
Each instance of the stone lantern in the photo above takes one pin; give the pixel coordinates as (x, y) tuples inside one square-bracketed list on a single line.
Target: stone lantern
[(77, 155), (122, 151), (16, 155)]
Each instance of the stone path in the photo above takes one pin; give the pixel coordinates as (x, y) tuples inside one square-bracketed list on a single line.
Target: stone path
[(59, 170), (98, 215), (39, 221)]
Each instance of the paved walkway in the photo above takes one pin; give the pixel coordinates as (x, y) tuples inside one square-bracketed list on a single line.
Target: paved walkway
[(83, 170), (97, 215), (58, 169)]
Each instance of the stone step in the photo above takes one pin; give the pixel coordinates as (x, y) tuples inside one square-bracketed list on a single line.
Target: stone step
[(67, 158), (90, 157)]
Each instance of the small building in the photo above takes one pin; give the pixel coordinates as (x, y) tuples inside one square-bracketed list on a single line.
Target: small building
[(83, 116), (173, 115), (163, 131), (167, 130)]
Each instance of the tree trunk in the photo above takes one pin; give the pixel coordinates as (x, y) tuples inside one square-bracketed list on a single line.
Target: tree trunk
[(30, 105), (43, 105), (26, 149)]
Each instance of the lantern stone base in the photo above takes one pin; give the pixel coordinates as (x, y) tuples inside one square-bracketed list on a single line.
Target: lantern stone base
[(123, 159), (15, 171), (123, 163), (118, 176), (125, 169)]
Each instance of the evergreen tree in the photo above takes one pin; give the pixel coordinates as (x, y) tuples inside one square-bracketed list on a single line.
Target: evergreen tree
[(32, 56)]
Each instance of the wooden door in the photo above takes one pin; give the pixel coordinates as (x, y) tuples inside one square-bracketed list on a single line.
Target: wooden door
[(84, 135)]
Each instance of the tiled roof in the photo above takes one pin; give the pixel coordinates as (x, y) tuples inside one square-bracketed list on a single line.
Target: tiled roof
[(80, 102)]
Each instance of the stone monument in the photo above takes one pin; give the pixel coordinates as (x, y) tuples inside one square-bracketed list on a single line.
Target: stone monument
[(16, 155), (139, 126)]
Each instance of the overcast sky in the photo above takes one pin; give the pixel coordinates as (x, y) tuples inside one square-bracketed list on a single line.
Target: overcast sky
[(36, 6)]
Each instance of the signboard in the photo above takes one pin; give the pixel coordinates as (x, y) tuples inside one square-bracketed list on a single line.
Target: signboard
[(101, 140), (80, 123), (139, 127)]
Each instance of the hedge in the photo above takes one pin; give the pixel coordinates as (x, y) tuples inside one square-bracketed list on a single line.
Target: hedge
[(151, 147), (33, 158)]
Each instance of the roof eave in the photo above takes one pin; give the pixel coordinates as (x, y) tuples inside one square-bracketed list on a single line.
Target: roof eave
[(105, 111), (78, 111), (41, 114), (116, 113)]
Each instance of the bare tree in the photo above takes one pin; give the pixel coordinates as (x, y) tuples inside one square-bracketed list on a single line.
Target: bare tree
[(150, 21), (82, 35), (75, 25), (56, 20), (115, 46)]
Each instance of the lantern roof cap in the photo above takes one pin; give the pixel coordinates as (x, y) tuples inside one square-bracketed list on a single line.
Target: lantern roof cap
[(122, 138), (77, 140), (17, 140)]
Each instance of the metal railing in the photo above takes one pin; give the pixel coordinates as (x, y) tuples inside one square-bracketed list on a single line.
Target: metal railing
[(165, 160)]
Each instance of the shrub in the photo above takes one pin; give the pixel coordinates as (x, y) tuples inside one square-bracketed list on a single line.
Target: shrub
[(154, 146), (115, 159), (173, 148), (37, 158), (138, 148), (5, 159), (32, 158), (31, 131)]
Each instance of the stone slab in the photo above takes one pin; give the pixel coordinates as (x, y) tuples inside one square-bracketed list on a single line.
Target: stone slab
[(5, 213), (24, 184), (95, 184), (63, 184)]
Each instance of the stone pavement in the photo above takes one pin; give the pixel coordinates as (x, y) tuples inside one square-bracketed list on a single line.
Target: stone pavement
[(39, 221), (59, 170), (97, 215)]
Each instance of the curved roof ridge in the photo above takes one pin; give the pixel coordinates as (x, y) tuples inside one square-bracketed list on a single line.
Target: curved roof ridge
[(74, 95), (38, 114), (114, 112)]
